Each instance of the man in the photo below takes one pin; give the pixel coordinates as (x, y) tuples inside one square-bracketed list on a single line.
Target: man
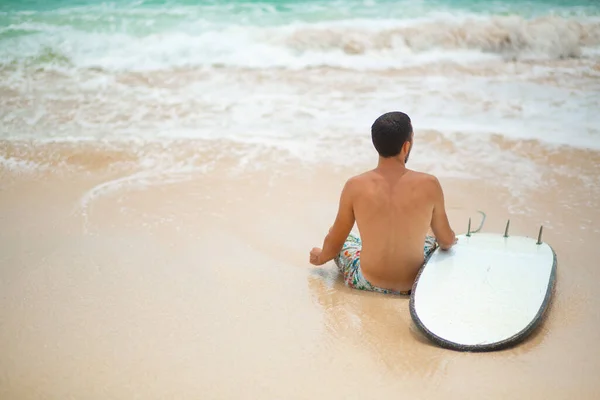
[(393, 207)]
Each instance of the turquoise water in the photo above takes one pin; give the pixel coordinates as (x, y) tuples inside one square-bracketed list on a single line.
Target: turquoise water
[(116, 66), (128, 34), (148, 16), (73, 29), (368, 7)]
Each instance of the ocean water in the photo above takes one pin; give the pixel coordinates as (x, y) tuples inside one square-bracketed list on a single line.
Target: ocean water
[(373, 34), (303, 77)]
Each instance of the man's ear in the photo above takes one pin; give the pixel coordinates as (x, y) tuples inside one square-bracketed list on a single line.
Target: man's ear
[(406, 146)]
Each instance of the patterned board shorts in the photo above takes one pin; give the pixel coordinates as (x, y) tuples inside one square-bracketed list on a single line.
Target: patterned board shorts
[(348, 262)]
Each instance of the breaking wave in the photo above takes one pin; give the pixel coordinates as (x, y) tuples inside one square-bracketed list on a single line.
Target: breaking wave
[(355, 44)]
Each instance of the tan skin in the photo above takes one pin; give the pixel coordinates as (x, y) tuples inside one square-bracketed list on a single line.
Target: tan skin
[(393, 207)]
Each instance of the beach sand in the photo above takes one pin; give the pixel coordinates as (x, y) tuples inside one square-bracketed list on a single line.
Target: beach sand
[(125, 283)]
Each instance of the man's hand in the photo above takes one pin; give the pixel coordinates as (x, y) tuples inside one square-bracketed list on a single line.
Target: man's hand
[(449, 247), (315, 256)]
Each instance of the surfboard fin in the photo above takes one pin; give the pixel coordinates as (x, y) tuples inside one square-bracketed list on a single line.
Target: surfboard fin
[(506, 229), (540, 235)]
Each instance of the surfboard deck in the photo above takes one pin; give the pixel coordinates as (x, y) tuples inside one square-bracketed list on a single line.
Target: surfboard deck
[(487, 292)]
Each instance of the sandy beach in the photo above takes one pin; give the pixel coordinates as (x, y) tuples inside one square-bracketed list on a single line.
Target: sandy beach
[(199, 286)]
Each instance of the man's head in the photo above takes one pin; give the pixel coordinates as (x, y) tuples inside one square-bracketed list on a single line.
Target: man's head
[(392, 135)]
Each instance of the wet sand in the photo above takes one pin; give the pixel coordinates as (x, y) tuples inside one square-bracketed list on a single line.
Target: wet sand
[(120, 286)]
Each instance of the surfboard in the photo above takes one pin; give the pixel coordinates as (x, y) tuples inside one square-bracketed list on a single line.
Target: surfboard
[(487, 292)]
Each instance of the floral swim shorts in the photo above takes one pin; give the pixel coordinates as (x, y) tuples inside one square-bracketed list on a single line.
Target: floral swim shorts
[(348, 262)]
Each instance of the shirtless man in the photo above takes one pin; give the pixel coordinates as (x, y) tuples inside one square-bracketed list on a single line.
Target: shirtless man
[(393, 207)]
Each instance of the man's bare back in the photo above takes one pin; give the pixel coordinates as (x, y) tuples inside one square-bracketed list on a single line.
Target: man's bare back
[(394, 211), (394, 208)]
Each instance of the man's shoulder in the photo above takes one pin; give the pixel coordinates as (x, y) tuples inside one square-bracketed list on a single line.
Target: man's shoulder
[(358, 182), (426, 183), (362, 178), (369, 176), (424, 177), (359, 177), (354, 181)]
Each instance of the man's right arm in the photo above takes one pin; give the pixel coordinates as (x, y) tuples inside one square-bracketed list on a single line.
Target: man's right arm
[(439, 221)]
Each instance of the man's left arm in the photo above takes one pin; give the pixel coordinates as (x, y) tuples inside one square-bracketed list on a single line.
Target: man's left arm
[(344, 221)]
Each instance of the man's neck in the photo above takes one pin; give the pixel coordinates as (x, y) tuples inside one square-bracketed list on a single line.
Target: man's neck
[(391, 163)]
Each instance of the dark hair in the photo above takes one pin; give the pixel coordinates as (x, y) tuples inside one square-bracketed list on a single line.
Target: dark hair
[(389, 133)]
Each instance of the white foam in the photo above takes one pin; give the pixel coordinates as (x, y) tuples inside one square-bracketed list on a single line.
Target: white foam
[(16, 164), (237, 106), (314, 116), (354, 44)]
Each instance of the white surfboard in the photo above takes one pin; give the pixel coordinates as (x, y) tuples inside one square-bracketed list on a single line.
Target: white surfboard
[(486, 293)]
